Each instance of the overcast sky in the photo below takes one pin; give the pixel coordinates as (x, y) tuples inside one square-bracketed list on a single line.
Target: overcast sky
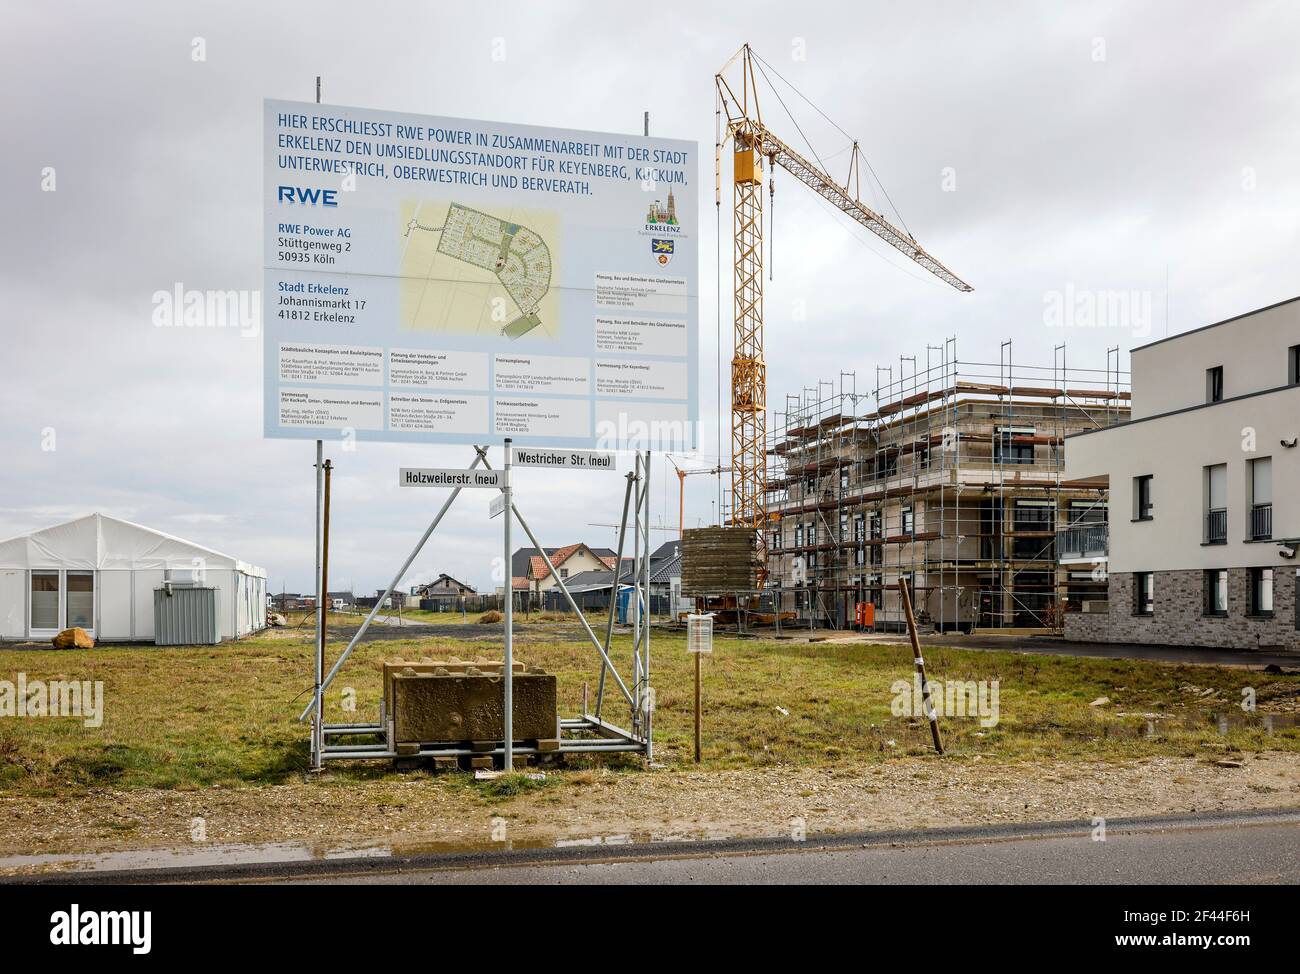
[(1038, 149)]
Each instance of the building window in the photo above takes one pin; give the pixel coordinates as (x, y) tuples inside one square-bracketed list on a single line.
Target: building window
[(564, 573), (1216, 504), (81, 599), (1261, 499), (776, 540), (844, 478), (1142, 498), (877, 592), (1007, 450), (1293, 365), (45, 600), (1144, 601), (1261, 591), (1087, 512), (1214, 384), (811, 533), (909, 521), (1216, 592), (798, 535)]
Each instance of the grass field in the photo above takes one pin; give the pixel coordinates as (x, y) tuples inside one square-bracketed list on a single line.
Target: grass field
[(193, 718)]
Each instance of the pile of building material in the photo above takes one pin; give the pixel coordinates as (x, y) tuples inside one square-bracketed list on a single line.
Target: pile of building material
[(458, 703), (719, 560)]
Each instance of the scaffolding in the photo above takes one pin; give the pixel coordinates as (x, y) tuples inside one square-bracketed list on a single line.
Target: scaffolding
[(948, 474)]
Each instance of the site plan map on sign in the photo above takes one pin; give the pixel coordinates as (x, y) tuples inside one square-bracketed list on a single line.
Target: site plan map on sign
[(514, 254)]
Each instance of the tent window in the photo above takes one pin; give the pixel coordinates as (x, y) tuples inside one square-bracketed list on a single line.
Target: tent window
[(81, 599), (45, 600)]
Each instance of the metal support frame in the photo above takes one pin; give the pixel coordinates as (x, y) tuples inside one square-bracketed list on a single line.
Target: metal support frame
[(587, 733)]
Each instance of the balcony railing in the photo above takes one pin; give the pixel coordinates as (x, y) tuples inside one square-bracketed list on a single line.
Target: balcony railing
[(1083, 541), (1261, 522), (1216, 526)]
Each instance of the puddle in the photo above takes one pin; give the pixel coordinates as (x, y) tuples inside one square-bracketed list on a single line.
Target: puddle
[(214, 854), (237, 854)]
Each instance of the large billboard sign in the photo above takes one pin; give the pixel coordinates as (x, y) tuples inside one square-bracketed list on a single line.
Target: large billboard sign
[(454, 281)]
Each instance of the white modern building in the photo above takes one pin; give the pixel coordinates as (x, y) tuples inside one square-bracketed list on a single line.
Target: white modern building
[(1204, 489), (100, 573)]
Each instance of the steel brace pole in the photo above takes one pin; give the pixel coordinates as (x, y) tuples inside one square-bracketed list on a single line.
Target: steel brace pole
[(508, 708), (613, 591), (397, 580), (568, 596)]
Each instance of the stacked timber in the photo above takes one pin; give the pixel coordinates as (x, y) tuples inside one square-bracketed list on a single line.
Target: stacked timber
[(718, 561)]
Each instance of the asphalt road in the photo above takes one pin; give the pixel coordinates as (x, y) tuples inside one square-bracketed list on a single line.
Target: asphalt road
[(1255, 854), (1252, 847)]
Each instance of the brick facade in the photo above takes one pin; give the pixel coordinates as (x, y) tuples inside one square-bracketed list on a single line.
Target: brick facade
[(1179, 618)]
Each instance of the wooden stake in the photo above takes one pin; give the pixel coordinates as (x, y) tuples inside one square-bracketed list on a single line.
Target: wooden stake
[(697, 707), (920, 664)]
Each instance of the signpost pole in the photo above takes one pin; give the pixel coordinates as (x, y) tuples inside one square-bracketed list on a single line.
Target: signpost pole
[(317, 726), (318, 722), (509, 600), (647, 700)]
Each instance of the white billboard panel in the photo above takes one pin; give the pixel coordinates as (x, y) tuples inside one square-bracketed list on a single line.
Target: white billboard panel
[(456, 281)]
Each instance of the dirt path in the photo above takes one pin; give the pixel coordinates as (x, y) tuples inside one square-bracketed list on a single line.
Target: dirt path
[(413, 810)]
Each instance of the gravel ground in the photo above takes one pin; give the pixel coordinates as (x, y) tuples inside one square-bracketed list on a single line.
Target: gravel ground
[(412, 812)]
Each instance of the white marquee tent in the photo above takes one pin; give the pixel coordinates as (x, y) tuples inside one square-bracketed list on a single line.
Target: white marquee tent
[(99, 573)]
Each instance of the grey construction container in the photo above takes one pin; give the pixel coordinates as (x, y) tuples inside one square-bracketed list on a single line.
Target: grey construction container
[(186, 615)]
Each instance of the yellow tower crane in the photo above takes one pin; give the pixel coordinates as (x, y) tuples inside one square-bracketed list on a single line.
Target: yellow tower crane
[(741, 124)]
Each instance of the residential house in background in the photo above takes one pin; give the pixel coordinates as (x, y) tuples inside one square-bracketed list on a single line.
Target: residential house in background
[(591, 589), (569, 560), (397, 600), (1205, 490), (443, 593)]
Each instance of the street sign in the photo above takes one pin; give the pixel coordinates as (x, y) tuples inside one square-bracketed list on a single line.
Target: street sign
[(497, 506), (566, 459), (443, 477)]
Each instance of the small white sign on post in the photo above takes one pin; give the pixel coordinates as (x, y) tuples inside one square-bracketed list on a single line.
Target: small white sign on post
[(444, 477), (699, 634), (496, 506), (566, 459)]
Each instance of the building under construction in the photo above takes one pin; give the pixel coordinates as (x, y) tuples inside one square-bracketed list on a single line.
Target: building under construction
[(948, 474)]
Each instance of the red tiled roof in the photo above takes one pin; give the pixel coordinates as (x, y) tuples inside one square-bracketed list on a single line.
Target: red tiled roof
[(518, 582), (537, 564)]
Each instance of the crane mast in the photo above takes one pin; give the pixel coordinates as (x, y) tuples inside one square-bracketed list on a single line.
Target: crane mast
[(741, 124)]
